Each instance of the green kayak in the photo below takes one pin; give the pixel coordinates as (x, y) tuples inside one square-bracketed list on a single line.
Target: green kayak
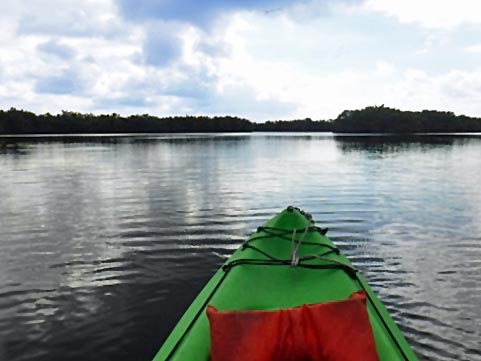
[(286, 263)]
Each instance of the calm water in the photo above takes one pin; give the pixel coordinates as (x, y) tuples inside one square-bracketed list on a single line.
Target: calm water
[(105, 240)]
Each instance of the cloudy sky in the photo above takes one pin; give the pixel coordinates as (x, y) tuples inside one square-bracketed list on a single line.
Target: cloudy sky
[(259, 59)]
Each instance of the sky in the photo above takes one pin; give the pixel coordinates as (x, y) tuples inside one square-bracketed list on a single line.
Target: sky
[(262, 60)]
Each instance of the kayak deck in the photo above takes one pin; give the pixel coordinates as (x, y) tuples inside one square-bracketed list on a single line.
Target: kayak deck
[(259, 276)]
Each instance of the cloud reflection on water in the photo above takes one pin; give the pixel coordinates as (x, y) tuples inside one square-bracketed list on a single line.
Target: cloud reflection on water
[(108, 239)]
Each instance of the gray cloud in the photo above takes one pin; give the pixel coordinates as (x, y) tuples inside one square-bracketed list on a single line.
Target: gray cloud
[(200, 13), (68, 82), (131, 101), (194, 93), (33, 24), (163, 21), (213, 49), (204, 13), (57, 49), (162, 44)]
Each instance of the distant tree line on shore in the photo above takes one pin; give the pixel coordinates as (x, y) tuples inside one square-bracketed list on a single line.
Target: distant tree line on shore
[(375, 119), (380, 119), (298, 125), (16, 121)]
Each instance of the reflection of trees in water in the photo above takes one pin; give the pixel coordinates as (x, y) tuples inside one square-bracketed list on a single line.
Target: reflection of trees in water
[(12, 148), (26, 145), (116, 219), (394, 143), (19, 146), (139, 222), (196, 139)]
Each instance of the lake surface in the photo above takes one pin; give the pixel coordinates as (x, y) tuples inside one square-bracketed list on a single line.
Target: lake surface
[(104, 241)]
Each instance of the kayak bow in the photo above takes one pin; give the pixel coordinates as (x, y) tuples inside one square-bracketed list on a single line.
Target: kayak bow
[(286, 263)]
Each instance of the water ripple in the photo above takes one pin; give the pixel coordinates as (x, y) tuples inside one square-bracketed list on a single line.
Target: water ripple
[(105, 242)]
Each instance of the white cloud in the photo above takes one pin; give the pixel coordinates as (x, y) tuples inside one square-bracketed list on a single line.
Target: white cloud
[(456, 90), (385, 68), (331, 83), (429, 13), (248, 63), (54, 17), (303, 65), (476, 48)]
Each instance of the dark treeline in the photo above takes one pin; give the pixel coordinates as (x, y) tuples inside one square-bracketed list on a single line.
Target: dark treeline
[(369, 120), (16, 121), (387, 120), (298, 125)]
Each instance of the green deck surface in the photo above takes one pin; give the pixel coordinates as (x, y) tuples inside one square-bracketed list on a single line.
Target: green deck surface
[(261, 287)]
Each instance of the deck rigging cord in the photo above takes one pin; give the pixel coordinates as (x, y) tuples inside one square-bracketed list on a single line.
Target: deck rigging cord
[(295, 247), (294, 261)]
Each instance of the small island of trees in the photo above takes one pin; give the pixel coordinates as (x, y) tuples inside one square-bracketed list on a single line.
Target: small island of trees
[(387, 120), (374, 119)]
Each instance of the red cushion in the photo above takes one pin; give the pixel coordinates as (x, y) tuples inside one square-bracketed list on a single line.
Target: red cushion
[(338, 330)]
